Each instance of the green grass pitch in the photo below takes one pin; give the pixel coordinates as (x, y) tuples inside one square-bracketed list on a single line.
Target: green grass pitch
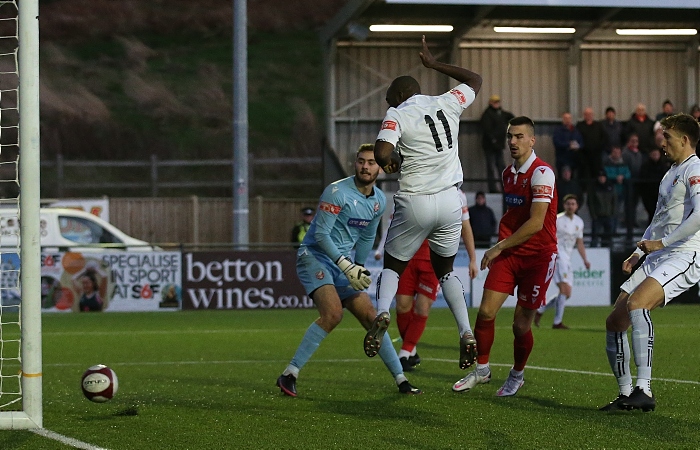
[(206, 380)]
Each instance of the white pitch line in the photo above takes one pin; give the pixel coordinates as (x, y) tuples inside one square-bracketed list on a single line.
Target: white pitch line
[(352, 360), (65, 439), (577, 372), (265, 330)]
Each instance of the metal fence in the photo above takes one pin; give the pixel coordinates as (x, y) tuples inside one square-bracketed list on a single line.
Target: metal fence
[(154, 177)]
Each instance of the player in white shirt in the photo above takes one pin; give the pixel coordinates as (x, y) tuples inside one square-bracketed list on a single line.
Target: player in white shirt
[(418, 288), (671, 243), (419, 133), (569, 235)]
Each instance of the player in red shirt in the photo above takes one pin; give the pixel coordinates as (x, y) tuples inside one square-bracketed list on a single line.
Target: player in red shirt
[(524, 256)]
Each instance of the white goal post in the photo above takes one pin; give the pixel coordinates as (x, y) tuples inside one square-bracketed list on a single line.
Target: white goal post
[(21, 374)]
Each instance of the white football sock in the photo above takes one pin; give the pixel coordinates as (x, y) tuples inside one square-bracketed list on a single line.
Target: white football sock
[(643, 346), (559, 309), (453, 290), (483, 369), (618, 349), (387, 285)]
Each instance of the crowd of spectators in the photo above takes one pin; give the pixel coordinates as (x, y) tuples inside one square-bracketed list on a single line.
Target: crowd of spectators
[(611, 165)]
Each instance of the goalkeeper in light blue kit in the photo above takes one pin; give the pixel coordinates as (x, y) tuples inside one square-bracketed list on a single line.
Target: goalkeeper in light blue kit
[(347, 216)]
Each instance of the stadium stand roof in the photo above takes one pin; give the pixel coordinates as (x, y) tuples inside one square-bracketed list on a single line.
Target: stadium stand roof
[(594, 20)]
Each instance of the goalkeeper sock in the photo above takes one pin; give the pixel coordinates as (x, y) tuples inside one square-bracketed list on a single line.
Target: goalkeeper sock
[(390, 358), (312, 339)]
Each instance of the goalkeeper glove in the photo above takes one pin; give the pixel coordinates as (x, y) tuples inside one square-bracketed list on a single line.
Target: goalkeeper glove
[(357, 275)]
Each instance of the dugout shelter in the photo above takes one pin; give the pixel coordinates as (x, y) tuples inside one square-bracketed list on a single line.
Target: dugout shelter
[(540, 75)]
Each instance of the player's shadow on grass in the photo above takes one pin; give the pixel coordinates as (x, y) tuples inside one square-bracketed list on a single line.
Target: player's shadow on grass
[(455, 347), (638, 422), (394, 406)]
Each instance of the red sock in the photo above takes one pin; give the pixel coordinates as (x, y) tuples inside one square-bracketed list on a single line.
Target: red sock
[(522, 346), (414, 332), (403, 320), (484, 332)]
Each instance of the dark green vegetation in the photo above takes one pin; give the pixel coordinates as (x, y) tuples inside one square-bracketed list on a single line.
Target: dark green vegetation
[(194, 380), (125, 81)]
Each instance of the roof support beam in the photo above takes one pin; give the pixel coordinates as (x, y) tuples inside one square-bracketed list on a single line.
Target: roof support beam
[(582, 32)]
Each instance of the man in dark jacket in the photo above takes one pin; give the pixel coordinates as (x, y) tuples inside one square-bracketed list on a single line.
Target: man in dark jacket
[(494, 122), (483, 221), (650, 175), (601, 205), (567, 142), (643, 126), (595, 140)]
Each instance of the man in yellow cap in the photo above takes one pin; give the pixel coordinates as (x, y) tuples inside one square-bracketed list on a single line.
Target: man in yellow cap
[(494, 122)]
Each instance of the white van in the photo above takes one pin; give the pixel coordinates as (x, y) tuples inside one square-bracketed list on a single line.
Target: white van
[(64, 229)]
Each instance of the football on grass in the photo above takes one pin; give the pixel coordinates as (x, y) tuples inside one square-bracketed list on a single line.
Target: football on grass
[(99, 383)]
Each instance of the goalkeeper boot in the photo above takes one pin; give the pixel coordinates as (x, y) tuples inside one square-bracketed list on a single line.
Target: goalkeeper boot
[(373, 338), (288, 384), (467, 350), (406, 388), (615, 405), (639, 399)]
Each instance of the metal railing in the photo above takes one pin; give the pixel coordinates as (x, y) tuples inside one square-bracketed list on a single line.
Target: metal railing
[(154, 181)]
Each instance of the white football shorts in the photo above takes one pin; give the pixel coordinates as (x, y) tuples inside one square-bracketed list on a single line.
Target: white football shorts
[(564, 273), (436, 217), (675, 271)]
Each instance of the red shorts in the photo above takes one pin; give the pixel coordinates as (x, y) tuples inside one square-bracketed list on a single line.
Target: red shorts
[(418, 278), (531, 274)]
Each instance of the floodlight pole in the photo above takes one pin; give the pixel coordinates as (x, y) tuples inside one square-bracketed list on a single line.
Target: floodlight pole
[(240, 125)]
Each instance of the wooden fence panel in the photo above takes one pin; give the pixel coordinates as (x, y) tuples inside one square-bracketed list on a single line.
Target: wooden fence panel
[(197, 220), (153, 219)]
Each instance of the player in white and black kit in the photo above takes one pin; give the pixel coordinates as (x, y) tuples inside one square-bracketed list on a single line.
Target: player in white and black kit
[(423, 130), (672, 266), (569, 235)]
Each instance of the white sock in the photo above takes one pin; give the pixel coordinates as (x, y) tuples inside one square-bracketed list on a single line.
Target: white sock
[(547, 305), (643, 346), (404, 353), (387, 285), (291, 370), (400, 378), (618, 349), (453, 290), (559, 309), (517, 373), (483, 369)]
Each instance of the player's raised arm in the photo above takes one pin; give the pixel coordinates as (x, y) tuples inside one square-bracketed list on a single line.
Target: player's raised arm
[(471, 79)]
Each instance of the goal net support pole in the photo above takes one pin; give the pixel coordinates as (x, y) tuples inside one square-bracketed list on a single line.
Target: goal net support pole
[(31, 415)]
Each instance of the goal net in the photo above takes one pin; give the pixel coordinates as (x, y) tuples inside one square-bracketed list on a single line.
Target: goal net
[(20, 253)]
